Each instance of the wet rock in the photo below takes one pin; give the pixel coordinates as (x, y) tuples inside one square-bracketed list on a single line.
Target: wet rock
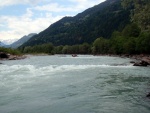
[(132, 62), (148, 95), (15, 57), (4, 55), (141, 63), (146, 59), (74, 55)]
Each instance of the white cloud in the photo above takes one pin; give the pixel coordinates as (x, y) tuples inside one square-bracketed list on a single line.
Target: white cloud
[(23, 25), (53, 7), (13, 2), (77, 6), (14, 27)]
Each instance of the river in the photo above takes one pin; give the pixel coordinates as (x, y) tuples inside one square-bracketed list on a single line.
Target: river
[(66, 84)]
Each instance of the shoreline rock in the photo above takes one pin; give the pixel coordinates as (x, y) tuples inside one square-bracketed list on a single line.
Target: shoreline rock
[(141, 63), (141, 60), (148, 95), (138, 60), (6, 56), (15, 57)]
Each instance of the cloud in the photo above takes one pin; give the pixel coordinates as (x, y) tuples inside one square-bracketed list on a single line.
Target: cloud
[(76, 6), (39, 15), (14, 2), (23, 25), (53, 7), (83, 4)]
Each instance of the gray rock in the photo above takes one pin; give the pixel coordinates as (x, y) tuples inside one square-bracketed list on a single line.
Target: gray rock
[(141, 63)]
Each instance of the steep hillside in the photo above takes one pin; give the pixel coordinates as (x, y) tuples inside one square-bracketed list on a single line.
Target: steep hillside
[(98, 21), (22, 40)]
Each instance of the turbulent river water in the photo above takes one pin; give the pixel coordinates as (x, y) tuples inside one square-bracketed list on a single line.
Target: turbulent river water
[(65, 84)]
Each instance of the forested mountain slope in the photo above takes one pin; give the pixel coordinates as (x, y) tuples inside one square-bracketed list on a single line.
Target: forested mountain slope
[(99, 21)]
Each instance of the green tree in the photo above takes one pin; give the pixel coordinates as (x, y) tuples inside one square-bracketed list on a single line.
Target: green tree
[(129, 46), (47, 48), (143, 43), (58, 49), (131, 30), (27, 49), (75, 49), (140, 12), (65, 49), (100, 46), (84, 48)]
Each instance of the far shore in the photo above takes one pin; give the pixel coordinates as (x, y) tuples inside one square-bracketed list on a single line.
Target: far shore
[(137, 59)]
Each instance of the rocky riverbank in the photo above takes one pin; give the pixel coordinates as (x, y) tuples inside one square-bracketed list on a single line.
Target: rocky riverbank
[(137, 60), (141, 60), (6, 56)]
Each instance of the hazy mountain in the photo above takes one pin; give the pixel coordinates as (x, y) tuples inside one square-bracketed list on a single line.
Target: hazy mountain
[(98, 21), (22, 40), (2, 44)]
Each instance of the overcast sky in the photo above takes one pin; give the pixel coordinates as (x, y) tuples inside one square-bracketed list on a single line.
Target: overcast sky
[(21, 17)]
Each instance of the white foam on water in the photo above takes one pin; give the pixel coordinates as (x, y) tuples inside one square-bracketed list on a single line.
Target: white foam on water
[(63, 68), (82, 57), (35, 71)]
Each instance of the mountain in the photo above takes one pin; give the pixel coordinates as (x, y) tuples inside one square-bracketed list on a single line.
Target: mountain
[(2, 44), (99, 21), (22, 40)]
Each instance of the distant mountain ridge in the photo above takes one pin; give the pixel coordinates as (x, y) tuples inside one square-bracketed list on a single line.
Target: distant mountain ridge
[(2, 44), (22, 40), (98, 21)]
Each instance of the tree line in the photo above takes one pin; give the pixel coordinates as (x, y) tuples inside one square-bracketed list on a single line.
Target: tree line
[(131, 40), (10, 51)]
